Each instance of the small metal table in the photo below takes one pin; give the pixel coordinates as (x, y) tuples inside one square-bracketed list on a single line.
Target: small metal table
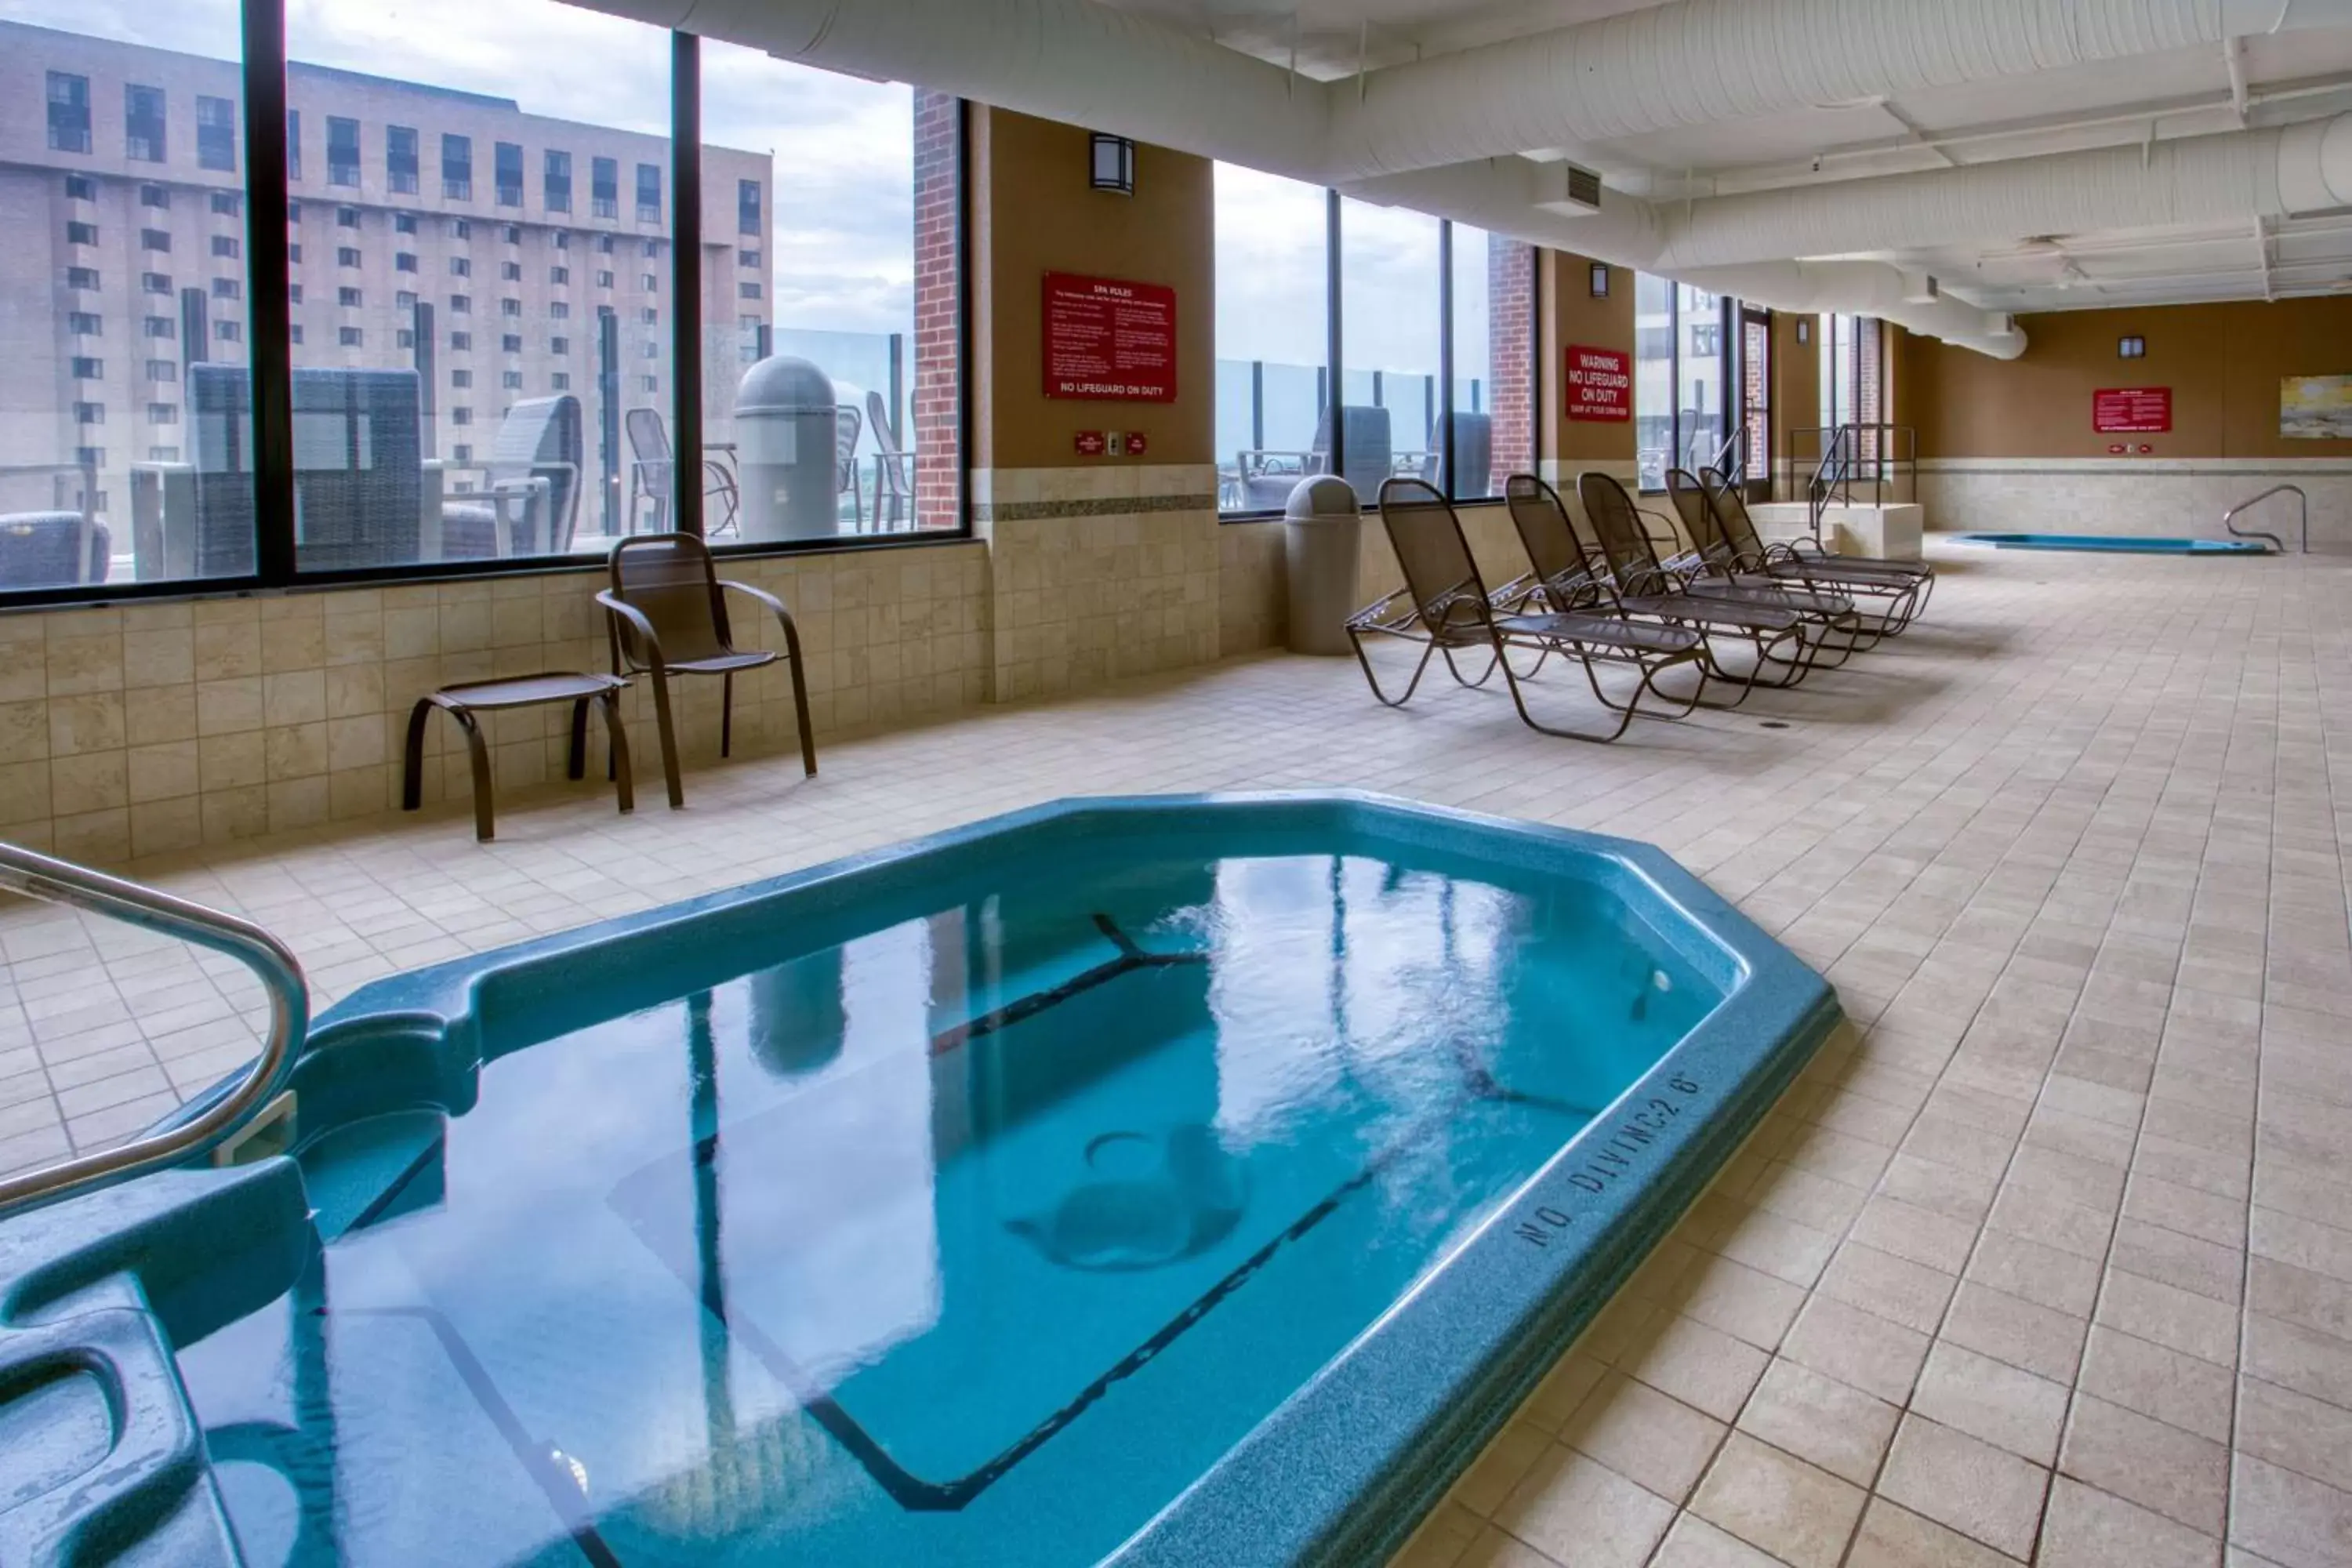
[(462, 701)]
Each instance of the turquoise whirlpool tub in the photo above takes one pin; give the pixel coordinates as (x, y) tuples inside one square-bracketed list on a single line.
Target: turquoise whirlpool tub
[(2113, 544), (1170, 1180)]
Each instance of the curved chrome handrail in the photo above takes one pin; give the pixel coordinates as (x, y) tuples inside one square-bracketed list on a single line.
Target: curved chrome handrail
[(62, 882), (2302, 510)]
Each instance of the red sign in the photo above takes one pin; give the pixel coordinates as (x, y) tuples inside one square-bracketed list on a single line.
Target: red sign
[(2131, 410), (1090, 443), (2115, 449), (1109, 341), (1136, 444), (1599, 384)]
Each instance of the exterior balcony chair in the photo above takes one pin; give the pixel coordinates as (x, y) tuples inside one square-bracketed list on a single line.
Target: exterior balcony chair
[(666, 614), (1900, 588), (1445, 607)]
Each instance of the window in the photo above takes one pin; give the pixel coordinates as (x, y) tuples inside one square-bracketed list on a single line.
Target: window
[(651, 248), (81, 234), (1653, 379), (90, 456), (603, 279), (225, 246), (347, 256), (558, 346), (605, 187), (293, 143), (1273, 335), (156, 196), (649, 383), (143, 124), (649, 196), (68, 112), (227, 288), (228, 332), (556, 183), (347, 217), (461, 378), (400, 159), (215, 133), (403, 338), (511, 234), (163, 372), (747, 206), (557, 311), (159, 327), (457, 168), (747, 258), (84, 368), (149, 282), (342, 151), (228, 204), (649, 282), (403, 261), (81, 188), (294, 293), (155, 239), (561, 239), (461, 416), (1679, 384), (747, 290), (508, 165), (509, 271), (560, 381), (650, 315), (461, 343), (1390, 349), (404, 300), (461, 454), (510, 306), (1492, 430), (461, 267), (85, 324), (349, 299), (461, 304), (350, 337), (86, 278), (163, 414), (90, 413), (651, 349), (461, 228), (293, 212), (511, 380)]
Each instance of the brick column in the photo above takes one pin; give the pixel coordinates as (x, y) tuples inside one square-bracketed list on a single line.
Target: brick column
[(1511, 354), (938, 311)]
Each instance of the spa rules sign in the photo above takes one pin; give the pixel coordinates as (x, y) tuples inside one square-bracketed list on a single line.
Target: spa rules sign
[(1599, 384), (1107, 340)]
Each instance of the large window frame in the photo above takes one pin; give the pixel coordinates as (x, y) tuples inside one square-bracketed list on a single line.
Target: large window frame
[(1724, 319), (270, 133), (1334, 367)]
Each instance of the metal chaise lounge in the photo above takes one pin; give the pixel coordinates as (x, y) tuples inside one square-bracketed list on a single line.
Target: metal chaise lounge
[(1713, 568), (1774, 636), (1445, 606), (1901, 588)]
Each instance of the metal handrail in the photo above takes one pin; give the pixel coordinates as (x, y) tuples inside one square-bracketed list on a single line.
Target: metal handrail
[(62, 882), (2302, 510)]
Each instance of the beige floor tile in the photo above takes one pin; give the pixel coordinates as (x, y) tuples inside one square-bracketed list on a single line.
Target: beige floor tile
[(2181, 1390), (2295, 1357), (1778, 1504), (2013, 1329), (1660, 1443), (2007, 1407), (2175, 1473), (1582, 1514), (1970, 1486), (1492, 1548), (1701, 1366), (2293, 1520), (1892, 1537), (2295, 1432), (1444, 1536), (1888, 1287), (1855, 1348), (2168, 1315), (1695, 1544), (2086, 1528), (1841, 1429), (1506, 1459)]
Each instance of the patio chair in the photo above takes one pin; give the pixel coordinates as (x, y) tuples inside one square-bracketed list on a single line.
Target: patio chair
[(53, 550), (847, 422), (653, 471), (666, 614), (1774, 637), (1712, 568), (1445, 606), (894, 466), (530, 502), (1268, 476), (1900, 587)]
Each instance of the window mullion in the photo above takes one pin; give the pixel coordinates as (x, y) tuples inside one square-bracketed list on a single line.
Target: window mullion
[(268, 314)]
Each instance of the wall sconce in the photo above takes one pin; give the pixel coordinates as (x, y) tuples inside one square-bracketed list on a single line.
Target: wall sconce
[(2131, 348), (1111, 164), (1804, 330), (1599, 280)]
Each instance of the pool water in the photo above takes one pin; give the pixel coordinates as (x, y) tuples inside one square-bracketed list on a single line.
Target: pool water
[(2115, 544), (974, 1237)]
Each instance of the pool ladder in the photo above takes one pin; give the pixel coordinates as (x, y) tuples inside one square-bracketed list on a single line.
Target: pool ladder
[(2302, 510), (62, 882)]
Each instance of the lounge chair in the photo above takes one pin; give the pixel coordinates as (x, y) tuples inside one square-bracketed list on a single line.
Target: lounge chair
[(847, 423), (1779, 653), (1445, 606), (652, 474), (1712, 567), (666, 614), (1901, 588), (530, 500)]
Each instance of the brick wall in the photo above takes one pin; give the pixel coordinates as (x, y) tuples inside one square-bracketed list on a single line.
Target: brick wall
[(1511, 327), (938, 303)]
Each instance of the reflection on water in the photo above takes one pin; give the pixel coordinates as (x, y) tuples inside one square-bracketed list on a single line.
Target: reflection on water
[(974, 1239)]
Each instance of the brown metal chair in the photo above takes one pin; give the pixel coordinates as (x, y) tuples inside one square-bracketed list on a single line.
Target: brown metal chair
[(666, 614), (1901, 588), (1714, 568)]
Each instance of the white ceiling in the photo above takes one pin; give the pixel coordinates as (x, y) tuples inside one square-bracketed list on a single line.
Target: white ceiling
[(2292, 77)]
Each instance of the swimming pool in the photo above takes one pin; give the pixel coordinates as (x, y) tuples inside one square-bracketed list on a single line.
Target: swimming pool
[(2113, 543), (1169, 1180)]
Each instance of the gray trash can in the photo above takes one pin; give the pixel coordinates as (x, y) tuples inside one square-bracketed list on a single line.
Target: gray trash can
[(1323, 538), (785, 451)]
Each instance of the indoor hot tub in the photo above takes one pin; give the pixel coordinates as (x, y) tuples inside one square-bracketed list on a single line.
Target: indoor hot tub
[(1172, 1180), (2113, 544)]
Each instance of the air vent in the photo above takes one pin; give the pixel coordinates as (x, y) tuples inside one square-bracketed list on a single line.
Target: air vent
[(1570, 190), (1921, 289)]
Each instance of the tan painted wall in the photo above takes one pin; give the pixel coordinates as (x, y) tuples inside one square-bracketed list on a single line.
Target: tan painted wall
[(2222, 361), (1571, 315), (1034, 213)]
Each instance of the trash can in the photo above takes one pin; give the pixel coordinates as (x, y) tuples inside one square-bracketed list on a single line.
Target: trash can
[(785, 451), (1323, 537)]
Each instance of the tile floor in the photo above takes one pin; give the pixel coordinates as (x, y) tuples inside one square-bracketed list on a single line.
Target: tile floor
[(2046, 1259)]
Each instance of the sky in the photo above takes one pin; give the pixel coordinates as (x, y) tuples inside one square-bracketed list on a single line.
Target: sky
[(842, 151)]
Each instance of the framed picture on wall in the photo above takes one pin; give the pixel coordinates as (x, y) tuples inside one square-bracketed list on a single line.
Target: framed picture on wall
[(2316, 407)]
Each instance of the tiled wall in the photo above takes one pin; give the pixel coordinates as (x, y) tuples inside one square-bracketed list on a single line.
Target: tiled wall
[(1098, 572), (149, 727), (2144, 495)]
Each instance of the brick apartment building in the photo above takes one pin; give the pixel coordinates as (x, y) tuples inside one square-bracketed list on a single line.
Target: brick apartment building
[(122, 170)]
